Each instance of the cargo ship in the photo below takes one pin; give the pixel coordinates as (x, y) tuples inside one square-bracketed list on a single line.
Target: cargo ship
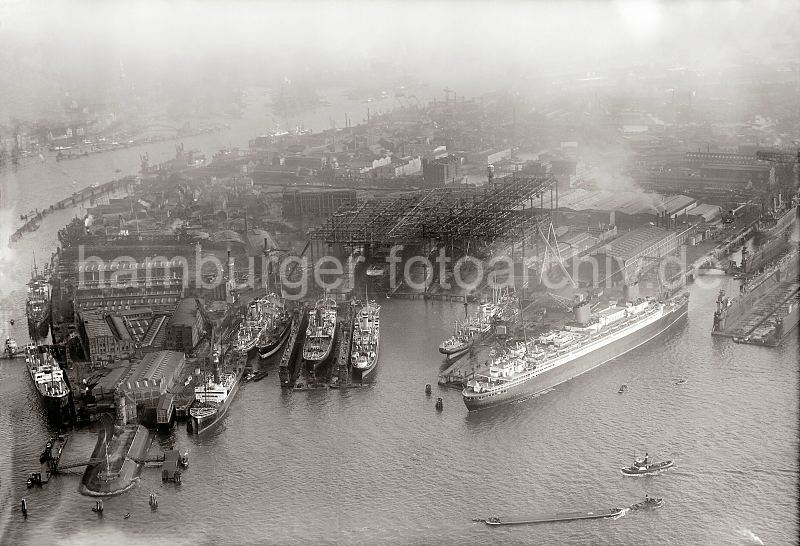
[(366, 338), (37, 306), (536, 365), (251, 328), (320, 332), (277, 325), (466, 334), (49, 380), (213, 398)]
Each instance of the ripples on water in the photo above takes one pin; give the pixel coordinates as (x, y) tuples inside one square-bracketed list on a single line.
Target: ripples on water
[(380, 464)]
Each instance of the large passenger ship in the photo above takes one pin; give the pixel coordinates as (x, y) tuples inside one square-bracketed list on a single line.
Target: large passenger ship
[(540, 364)]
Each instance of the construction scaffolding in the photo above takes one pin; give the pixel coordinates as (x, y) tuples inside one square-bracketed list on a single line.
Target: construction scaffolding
[(492, 212)]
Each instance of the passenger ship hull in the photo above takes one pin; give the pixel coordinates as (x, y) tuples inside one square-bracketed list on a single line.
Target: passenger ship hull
[(577, 366)]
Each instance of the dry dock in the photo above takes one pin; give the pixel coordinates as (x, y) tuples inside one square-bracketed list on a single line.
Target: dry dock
[(767, 308)]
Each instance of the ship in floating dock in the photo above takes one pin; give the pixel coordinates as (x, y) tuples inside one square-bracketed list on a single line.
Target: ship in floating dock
[(320, 332), (536, 365), (366, 338), (278, 324), (767, 307)]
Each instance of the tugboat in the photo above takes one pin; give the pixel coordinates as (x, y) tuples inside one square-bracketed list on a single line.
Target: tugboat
[(648, 502), (622, 388), (644, 466), (11, 349)]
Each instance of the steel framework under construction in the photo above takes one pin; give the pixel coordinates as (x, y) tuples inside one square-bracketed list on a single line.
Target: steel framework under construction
[(494, 211)]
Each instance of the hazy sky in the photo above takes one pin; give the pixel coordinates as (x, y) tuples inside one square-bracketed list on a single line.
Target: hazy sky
[(52, 43)]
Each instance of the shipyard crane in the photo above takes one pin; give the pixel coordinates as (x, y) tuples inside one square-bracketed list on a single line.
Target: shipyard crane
[(551, 248)]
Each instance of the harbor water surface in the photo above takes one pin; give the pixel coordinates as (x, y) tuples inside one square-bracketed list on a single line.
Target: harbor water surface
[(381, 465)]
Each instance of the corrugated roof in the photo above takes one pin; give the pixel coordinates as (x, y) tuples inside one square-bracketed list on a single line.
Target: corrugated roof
[(155, 366), (625, 202), (96, 325), (634, 242)]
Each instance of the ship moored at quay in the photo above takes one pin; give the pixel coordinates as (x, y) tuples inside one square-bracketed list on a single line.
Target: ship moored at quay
[(214, 396), (37, 305), (537, 365), (50, 382)]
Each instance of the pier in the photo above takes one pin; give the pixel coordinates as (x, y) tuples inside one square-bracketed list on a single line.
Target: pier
[(88, 193)]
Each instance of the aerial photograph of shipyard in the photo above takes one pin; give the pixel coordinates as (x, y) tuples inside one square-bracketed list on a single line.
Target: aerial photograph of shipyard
[(400, 272)]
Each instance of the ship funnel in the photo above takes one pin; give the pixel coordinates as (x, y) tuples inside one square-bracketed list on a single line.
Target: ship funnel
[(630, 292), (582, 312)]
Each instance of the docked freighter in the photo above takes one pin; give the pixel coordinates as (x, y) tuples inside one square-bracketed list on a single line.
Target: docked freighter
[(49, 380), (366, 338), (37, 306), (320, 332), (537, 365), (251, 327), (466, 334), (213, 397), (277, 325)]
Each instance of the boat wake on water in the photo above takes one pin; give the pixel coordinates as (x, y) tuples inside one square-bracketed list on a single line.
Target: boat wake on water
[(750, 535)]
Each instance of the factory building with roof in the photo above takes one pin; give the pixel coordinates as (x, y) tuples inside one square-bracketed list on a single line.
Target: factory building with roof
[(115, 335), (638, 250), (626, 209), (151, 377)]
